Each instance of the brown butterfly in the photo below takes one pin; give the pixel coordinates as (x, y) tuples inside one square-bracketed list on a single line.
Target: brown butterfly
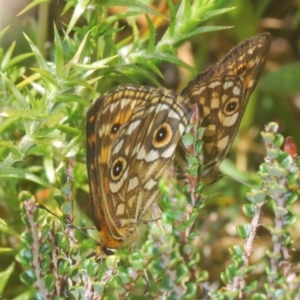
[(134, 133)]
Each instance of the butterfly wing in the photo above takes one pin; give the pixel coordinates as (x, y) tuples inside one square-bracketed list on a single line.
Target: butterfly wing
[(222, 94), (103, 121), (144, 149)]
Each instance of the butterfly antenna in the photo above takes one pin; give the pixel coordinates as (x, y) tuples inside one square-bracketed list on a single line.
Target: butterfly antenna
[(238, 180), (67, 222)]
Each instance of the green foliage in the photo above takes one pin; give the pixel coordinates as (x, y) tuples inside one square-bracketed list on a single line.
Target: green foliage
[(279, 174), (43, 102)]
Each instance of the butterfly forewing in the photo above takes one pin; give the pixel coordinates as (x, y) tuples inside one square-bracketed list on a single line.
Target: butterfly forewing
[(222, 94)]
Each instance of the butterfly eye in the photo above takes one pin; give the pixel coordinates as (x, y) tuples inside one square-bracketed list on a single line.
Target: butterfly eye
[(231, 106), (115, 128), (241, 70), (162, 135), (118, 167)]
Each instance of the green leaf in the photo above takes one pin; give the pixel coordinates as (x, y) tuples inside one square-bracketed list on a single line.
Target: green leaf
[(6, 250), (15, 60), (95, 65), (5, 275), (77, 83), (75, 98), (78, 11), (213, 13), (135, 34), (8, 230), (249, 210), (31, 5), (120, 16), (256, 197), (136, 5), (242, 232), (19, 97), (11, 146), (50, 282), (3, 31), (203, 29), (199, 146), (8, 54), (184, 13), (28, 277), (48, 75), (59, 54), (188, 140), (236, 250), (149, 63), (11, 172), (22, 113), (259, 296), (129, 70), (172, 59), (151, 41), (171, 30), (76, 57), (39, 57), (25, 256), (189, 16)]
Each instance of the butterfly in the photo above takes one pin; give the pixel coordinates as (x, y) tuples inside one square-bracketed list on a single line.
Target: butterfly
[(133, 134)]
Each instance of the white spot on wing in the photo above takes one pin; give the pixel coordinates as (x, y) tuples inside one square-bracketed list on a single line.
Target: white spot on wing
[(141, 153), (162, 107), (120, 209), (169, 152), (214, 84), (250, 83), (222, 143), (133, 183), (250, 50), (173, 114), (181, 128), (132, 126), (236, 91), (199, 91), (227, 84), (123, 103), (136, 149), (113, 106), (150, 109), (229, 121), (118, 147), (150, 184), (215, 103), (150, 156)]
